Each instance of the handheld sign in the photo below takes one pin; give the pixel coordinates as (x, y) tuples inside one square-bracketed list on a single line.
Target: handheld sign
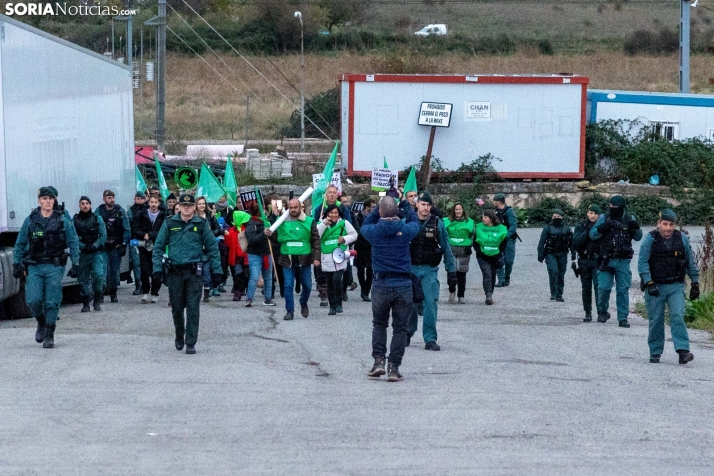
[(435, 114), (384, 179), (357, 207), (336, 180)]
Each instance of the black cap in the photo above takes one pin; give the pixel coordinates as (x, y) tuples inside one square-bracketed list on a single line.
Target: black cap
[(85, 198), (171, 197), (186, 199), (154, 188), (46, 192)]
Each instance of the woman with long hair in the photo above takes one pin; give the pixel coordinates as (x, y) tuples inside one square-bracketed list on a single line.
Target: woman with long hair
[(460, 230), (204, 212), (489, 245), (335, 232)]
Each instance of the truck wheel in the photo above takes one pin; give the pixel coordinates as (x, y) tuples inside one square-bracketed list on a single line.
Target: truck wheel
[(16, 305)]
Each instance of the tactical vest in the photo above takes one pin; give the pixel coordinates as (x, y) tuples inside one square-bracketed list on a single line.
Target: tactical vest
[(47, 237), (559, 239), (617, 243), (294, 237), (135, 213), (87, 229), (459, 232), (668, 266), (589, 249), (112, 220), (328, 242), (503, 215), (424, 248)]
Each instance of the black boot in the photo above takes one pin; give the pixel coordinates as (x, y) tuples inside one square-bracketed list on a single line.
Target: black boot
[(206, 294), (378, 368), (685, 356), (85, 304), (49, 341), (137, 289), (40, 333), (588, 317), (113, 295), (97, 301), (393, 374)]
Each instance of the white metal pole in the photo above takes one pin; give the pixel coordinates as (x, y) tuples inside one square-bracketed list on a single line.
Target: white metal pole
[(302, 87)]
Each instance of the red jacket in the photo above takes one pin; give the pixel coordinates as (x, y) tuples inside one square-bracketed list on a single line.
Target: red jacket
[(235, 253)]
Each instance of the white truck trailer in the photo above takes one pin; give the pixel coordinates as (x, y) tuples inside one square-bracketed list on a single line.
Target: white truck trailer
[(66, 120)]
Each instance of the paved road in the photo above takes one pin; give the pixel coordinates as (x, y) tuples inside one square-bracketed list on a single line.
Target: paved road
[(521, 387)]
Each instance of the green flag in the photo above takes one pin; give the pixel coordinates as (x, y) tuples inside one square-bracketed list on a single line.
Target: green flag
[(261, 206), (318, 196), (411, 184), (385, 164), (162, 181), (140, 183), (209, 186), (230, 184)]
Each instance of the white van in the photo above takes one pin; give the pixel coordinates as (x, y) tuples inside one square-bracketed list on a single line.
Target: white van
[(433, 29)]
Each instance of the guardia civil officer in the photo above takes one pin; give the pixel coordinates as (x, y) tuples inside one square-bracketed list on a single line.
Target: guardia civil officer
[(426, 250), (92, 235), (586, 266), (40, 253), (188, 238), (118, 236), (507, 217), (556, 241), (299, 250), (615, 231), (665, 259), (132, 213)]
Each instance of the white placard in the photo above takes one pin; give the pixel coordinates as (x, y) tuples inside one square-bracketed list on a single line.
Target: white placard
[(435, 114), (384, 179), (478, 110), (336, 180)]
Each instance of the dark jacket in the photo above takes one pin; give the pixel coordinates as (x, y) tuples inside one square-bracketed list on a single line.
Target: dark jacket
[(362, 246), (257, 241), (144, 225)]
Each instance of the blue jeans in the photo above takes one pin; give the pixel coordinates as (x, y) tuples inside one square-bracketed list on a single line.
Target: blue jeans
[(112, 265), (206, 275), (255, 264), (399, 301), (135, 263), (305, 275), (429, 276)]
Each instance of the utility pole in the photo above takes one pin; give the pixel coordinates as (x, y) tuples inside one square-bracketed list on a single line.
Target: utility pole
[(161, 77), (302, 83), (684, 48), (247, 119)]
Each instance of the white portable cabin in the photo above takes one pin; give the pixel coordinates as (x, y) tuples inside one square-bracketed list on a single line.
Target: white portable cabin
[(674, 116), (535, 124)]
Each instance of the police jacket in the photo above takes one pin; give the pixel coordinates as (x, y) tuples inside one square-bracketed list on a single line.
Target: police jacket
[(257, 241), (666, 261), (117, 223), (616, 243), (145, 227), (188, 243), (45, 239), (91, 231), (555, 239), (430, 244), (582, 243), (508, 218)]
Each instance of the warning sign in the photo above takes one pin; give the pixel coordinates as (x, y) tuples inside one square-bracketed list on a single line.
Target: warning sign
[(435, 114)]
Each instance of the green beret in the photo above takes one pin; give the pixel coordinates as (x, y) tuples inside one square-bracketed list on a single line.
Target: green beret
[(594, 208), (617, 201), (46, 192), (54, 190), (139, 195), (499, 197), (426, 197), (668, 214), (558, 211)]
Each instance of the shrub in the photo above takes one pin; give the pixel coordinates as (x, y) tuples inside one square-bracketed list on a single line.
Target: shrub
[(648, 42), (543, 211)]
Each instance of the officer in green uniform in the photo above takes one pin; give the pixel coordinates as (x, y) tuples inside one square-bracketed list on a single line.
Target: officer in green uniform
[(665, 259), (508, 218), (614, 232), (426, 250), (92, 234), (587, 260), (556, 241), (188, 238), (118, 236), (40, 250)]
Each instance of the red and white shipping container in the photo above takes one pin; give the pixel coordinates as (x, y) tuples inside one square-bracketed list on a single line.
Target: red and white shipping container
[(535, 124)]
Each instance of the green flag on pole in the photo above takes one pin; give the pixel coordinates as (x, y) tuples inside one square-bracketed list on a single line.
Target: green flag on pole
[(209, 186), (385, 163), (140, 183), (261, 206), (162, 181), (411, 184), (318, 196), (230, 184)]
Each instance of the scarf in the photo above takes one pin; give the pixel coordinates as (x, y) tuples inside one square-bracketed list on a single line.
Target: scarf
[(152, 216)]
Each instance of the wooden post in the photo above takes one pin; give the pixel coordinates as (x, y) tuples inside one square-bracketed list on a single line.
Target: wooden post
[(426, 172)]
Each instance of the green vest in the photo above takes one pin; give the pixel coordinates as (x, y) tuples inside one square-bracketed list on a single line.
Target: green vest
[(459, 232), (489, 238), (328, 242), (294, 237)]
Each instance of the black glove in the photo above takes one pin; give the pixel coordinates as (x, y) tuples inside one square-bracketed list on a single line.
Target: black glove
[(694, 292), (73, 271), (89, 248), (652, 289), (633, 226), (451, 278), (18, 270), (216, 280), (604, 227), (121, 250), (541, 259)]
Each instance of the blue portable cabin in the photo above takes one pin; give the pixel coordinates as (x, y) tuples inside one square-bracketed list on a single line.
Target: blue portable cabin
[(674, 116)]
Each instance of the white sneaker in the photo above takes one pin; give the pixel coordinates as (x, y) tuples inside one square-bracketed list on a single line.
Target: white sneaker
[(154, 299), (144, 298)]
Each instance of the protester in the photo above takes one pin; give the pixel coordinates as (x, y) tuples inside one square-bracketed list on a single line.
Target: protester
[(335, 232), (489, 243), (460, 230), (260, 260), (363, 260), (237, 256)]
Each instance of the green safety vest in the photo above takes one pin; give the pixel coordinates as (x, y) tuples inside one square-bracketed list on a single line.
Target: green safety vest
[(294, 237), (489, 238), (328, 242), (459, 232)]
